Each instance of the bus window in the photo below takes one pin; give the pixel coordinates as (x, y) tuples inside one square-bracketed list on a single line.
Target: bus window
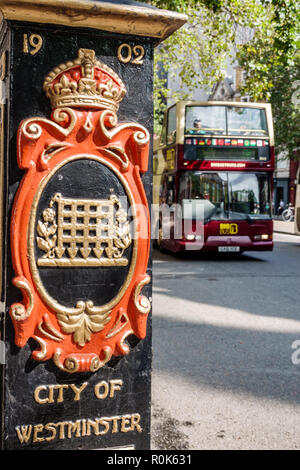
[(171, 132), (246, 121), (163, 133), (170, 190), (234, 195), (167, 192), (249, 195), (208, 120), (209, 188)]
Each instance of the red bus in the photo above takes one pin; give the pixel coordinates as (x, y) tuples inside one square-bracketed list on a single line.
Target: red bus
[(222, 154)]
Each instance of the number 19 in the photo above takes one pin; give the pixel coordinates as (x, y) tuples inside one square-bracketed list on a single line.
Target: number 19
[(35, 41)]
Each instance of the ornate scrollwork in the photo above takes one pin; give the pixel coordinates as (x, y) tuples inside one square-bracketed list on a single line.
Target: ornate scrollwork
[(32, 130), (18, 311), (117, 152), (49, 152), (119, 324), (48, 330), (108, 119), (80, 362), (83, 322), (141, 302), (41, 354)]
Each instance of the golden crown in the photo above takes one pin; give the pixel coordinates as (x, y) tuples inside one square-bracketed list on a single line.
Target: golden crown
[(84, 82)]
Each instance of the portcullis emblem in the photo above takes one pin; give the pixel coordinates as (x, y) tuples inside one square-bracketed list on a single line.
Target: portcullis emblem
[(80, 224)]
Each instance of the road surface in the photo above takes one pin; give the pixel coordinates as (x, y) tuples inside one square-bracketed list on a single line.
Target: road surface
[(225, 374)]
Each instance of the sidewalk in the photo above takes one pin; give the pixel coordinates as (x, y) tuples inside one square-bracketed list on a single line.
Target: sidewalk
[(284, 227)]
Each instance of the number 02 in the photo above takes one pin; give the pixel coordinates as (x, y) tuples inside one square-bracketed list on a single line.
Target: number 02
[(125, 53)]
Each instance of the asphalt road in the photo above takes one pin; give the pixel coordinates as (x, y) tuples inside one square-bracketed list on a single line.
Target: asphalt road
[(223, 329)]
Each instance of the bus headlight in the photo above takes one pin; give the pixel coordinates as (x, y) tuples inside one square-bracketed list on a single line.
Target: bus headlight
[(191, 237), (264, 236)]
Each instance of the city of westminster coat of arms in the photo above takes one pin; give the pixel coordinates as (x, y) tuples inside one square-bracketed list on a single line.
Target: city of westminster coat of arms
[(80, 222)]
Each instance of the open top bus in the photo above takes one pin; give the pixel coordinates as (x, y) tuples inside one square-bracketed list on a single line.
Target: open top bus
[(219, 155)]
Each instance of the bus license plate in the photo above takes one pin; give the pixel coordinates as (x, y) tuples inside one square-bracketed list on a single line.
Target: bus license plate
[(234, 249)]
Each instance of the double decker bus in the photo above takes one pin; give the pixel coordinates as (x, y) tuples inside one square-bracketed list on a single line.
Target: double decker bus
[(221, 154)]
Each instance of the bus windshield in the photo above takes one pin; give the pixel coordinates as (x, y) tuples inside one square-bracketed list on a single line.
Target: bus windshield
[(234, 195), (205, 120), (243, 121), (225, 120)]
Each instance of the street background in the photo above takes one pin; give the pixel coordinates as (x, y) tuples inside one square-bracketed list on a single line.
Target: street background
[(223, 329)]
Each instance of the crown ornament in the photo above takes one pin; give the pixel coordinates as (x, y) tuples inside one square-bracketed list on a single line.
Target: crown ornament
[(84, 82)]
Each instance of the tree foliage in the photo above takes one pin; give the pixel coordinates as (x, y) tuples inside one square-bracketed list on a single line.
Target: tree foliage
[(272, 64), (263, 35)]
